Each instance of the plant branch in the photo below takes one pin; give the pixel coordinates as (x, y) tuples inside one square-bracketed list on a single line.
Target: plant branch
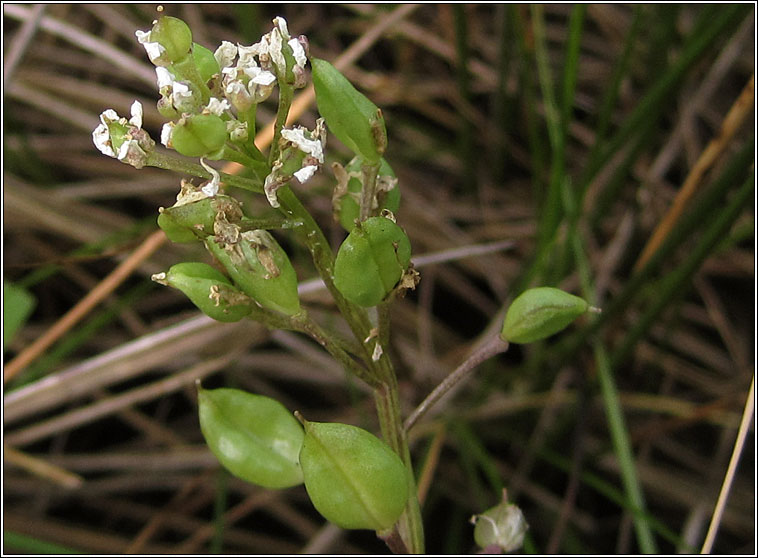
[(493, 346)]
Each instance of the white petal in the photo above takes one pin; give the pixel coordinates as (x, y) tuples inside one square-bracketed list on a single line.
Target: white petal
[(211, 188), (281, 24), (217, 107), (225, 54), (164, 77), (275, 50), (142, 36), (154, 51), (108, 115), (309, 146), (168, 127), (298, 52), (136, 110), (263, 78), (102, 140), (248, 53), (305, 173)]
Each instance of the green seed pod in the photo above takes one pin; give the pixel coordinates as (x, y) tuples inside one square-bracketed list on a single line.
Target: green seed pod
[(356, 121), (199, 135), (261, 268), (255, 437), (539, 313), (348, 204), (353, 478), (371, 261), (502, 527), (194, 221), (173, 35), (209, 290), (205, 62)]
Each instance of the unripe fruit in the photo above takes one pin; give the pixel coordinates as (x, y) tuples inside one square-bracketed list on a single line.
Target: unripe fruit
[(539, 313), (190, 222), (350, 115), (371, 261), (199, 135), (261, 268), (208, 289), (173, 35), (253, 436), (353, 478)]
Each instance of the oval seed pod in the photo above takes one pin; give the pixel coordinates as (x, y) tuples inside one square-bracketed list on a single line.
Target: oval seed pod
[(350, 115), (261, 268), (255, 437), (371, 261), (349, 203), (174, 36), (190, 222), (539, 313), (208, 289), (205, 62), (353, 478), (199, 135)]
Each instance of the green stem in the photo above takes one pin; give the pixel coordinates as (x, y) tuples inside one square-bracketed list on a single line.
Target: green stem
[(167, 162), (368, 194), (410, 525), (380, 373), (286, 94)]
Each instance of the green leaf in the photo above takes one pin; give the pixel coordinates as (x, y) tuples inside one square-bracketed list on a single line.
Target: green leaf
[(18, 304)]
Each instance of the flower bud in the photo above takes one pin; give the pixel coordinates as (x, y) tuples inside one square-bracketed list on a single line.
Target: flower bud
[(255, 437), (353, 478), (501, 528), (350, 115), (174, 36), (258, 265), (371, 261), (199, 135), (347, 196), (208, 289), (539, 313)]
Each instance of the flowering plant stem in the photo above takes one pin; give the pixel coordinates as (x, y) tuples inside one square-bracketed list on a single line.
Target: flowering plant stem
[(380, 373)]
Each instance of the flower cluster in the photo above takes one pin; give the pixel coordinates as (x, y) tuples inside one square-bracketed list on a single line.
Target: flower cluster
[(211, 99)]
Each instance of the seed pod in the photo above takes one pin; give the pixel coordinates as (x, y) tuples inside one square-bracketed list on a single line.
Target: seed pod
[(371, 261), (199, 135), (348, 204), (260, 267), (353, 478), (350, 115), (501, 528), (208, 289), (539, 313), (205, 61), (190, 222), (255, 437), (173, 35)]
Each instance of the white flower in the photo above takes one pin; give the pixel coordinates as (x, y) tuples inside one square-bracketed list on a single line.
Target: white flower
[(217, 106), (135, 142), (312, 147), (155, 51), (211, 188), (165, 78)]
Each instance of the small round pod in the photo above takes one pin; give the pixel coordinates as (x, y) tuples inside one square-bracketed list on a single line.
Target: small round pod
[(199, 135), (353, 478), (539, 313), (261, 268), (190, 222), (255, 437), (208, 289), (174, 35), (501, 527), (371, 261)]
